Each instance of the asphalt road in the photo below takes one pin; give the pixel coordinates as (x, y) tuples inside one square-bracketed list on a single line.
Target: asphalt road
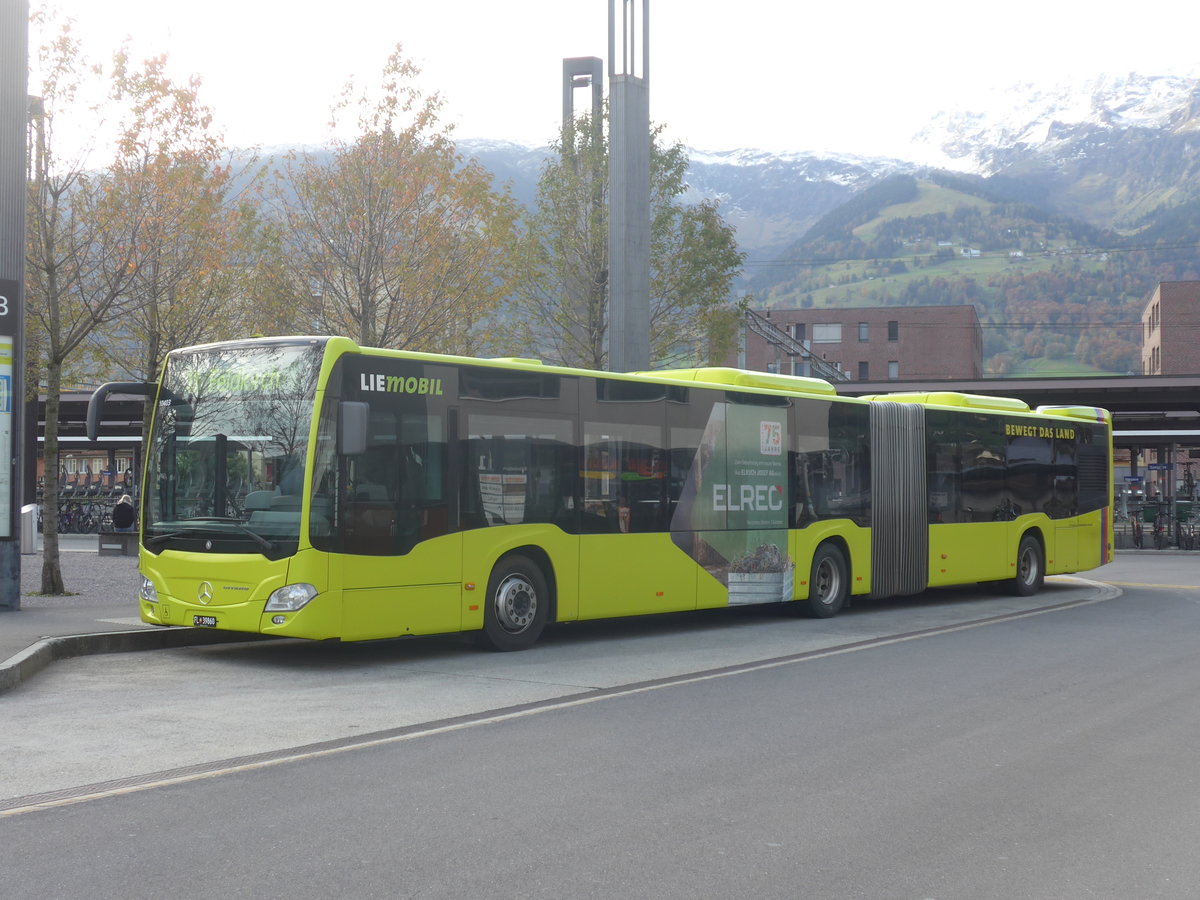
[(1045, 755)]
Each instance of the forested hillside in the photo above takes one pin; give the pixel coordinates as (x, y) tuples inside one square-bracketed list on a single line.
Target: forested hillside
[(1053, 293)]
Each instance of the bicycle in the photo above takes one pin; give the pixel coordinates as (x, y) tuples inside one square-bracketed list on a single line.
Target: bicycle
[(1162, 535), (68, 518), (1185, 531)]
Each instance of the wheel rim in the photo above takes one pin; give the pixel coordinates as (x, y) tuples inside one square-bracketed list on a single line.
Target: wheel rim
[(516, 604), (827, 583), (1028, 566)]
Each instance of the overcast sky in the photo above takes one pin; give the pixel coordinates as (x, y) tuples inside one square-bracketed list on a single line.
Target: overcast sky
[(776, 75)]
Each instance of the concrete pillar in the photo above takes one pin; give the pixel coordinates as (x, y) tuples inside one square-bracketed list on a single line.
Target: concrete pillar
[(629, 190)]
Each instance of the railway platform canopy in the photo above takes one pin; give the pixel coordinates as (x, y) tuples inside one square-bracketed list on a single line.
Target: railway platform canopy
[(117, 452)]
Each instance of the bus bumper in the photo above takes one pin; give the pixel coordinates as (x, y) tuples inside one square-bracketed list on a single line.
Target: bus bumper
[(320, 619)]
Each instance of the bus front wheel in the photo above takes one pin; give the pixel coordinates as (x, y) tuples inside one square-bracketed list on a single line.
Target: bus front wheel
[(1031, 568), (517, 605), (829, 583)]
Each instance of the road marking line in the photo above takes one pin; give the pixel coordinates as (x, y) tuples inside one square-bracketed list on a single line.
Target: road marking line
[(120, 787), (1170, 587)]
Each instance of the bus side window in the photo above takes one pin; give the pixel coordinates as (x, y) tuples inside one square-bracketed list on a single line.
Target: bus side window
[(474, 457), (394, 494), (518, 470), (625, 479), (323, 510), (804, 513)]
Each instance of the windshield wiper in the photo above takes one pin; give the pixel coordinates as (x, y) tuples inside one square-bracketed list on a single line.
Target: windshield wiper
[(258, 538), (152, 540)]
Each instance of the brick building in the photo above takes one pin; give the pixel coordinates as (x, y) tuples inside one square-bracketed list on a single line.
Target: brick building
[(1171, 329), (885, 343)]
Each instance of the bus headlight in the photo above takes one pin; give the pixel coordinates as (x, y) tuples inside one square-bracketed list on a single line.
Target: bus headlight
[(147, 591), (290, 598)]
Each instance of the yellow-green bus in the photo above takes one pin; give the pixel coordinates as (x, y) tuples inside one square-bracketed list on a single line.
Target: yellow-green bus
[(310, 487)]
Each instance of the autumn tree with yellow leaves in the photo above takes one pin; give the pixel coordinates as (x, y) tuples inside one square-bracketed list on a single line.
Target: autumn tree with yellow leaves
[(97, 219), (392, 237), (198, 233)]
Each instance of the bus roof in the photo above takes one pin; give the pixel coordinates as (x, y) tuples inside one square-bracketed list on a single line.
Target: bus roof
[(995, 404), (723, 376), (792, 384), (954, 398)]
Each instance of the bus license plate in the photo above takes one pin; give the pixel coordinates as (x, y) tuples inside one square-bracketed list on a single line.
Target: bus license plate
[(205, 621)]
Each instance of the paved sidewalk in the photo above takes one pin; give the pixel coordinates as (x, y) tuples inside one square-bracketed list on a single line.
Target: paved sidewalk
[(103, 596), (99, 615)]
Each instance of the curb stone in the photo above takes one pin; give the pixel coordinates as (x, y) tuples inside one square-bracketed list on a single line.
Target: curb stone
[(31, 660)]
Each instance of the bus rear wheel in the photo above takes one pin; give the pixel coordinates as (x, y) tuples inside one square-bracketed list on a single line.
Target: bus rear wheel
[(1031, 568), (828, 583), (518, 601)]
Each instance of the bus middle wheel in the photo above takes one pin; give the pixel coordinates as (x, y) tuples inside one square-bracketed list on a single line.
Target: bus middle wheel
[(828, 584)]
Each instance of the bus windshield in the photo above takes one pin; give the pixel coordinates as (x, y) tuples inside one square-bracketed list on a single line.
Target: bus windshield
[(225, 468)]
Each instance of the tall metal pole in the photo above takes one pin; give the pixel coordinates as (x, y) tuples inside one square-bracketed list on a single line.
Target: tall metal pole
[(629, 189), (14, 121)]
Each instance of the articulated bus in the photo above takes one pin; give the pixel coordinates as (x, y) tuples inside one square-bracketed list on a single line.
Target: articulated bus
[(309, 487)]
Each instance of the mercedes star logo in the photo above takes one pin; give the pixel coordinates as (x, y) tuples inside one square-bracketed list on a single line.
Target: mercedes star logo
[(204, 594)]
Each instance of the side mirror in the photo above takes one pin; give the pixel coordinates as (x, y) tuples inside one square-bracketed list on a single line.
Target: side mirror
[(96, 403), (353, 416)]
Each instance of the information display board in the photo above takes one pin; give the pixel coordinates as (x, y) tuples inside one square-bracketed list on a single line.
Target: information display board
[(6, 446), (9, 314)]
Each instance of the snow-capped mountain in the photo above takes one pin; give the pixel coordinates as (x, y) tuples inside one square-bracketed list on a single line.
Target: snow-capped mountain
[(1022, 119), (847, 169), (771, 198), (1113, 151)]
